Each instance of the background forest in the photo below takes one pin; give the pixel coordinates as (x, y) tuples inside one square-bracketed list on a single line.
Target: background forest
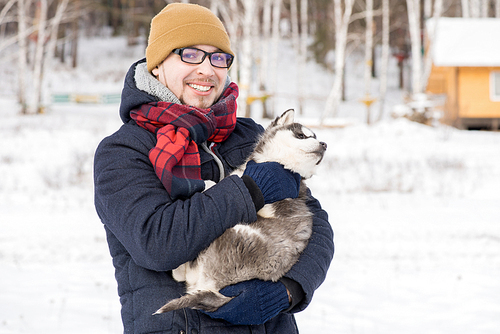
[(36, 36)]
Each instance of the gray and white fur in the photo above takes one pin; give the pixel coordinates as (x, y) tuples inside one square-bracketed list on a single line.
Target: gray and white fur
[(267, 248)]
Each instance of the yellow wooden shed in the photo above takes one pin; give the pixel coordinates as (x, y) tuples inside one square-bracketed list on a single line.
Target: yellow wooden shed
[(466, 70)]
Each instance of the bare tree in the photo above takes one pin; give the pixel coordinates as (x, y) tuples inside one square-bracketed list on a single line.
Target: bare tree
[(232, 22), (294, 22), (264, 59), (427, 9), (342, 17), (275, 32), (22, 54), (484, 8), (413, 7), (465, 8), (302, 54), (6, 9), (431, 34), (384, 62), (75, 27), (35, 107), (297, 41), (54, 28), (474, 8), (368, 58), (39, 30), (249, 7)]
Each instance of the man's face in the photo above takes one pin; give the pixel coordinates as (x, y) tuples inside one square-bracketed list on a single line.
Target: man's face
[(198, 85)]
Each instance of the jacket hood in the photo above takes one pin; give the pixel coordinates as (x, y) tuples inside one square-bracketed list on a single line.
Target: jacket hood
[(132, 97)]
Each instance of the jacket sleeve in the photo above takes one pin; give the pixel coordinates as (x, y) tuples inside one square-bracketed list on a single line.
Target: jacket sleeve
[(160, 234), (311, 269)]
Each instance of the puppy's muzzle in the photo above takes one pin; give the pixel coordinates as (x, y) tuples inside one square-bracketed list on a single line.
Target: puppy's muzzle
[(321, 151)]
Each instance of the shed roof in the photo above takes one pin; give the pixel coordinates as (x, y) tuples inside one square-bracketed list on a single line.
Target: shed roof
[(466, 42)]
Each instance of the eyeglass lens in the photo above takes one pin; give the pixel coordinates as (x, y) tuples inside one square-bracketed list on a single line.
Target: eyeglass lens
[(196, 56)]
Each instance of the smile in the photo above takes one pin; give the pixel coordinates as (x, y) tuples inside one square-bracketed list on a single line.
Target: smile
[(200, 88)]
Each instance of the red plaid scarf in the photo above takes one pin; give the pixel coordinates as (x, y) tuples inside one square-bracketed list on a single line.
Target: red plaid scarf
[(179, 129)]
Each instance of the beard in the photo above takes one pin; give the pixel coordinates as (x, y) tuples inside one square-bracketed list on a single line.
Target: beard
[(201, 102)]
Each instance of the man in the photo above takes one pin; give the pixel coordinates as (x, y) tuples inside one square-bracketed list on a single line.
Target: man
[(180, 128)]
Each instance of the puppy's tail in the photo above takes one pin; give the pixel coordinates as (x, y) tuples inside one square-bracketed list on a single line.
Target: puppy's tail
[(205, 300)]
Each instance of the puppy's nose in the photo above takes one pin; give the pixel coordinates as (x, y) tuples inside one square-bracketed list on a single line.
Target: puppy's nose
[(323, 144)]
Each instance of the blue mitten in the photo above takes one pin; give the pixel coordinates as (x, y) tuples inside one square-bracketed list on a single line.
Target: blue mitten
[(274, 181), (254, 302)]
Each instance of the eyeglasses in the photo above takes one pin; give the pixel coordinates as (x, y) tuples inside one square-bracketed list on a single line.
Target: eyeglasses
[(197, 56)]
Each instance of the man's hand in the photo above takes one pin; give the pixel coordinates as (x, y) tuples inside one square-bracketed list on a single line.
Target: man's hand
[(274, 181), (254, 302)]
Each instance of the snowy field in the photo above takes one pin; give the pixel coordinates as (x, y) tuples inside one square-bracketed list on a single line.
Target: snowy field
[(415, 210)]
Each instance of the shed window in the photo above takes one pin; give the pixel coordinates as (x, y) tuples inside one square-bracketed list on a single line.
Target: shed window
[(495, 86)]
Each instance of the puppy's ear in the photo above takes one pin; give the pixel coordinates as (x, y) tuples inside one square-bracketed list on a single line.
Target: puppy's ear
[(285, 119)]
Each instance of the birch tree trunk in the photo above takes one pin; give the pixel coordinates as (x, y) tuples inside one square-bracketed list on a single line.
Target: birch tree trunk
[(214, 7), (266, 33), (302, 55), (74, 44), (416, 44), (264, 60), (35, 106), (342, 17), (465, 8), (368, 56), (274, 51), (246, 57), (427, 9), (384, 61), (431, 33), (294, 21), (484, 8), (255, 61), (51, 46), (474, 8), (304, 27), (54, 29), (235, 24), (296, 48), (6, 8), (23, 50), (231, 21)]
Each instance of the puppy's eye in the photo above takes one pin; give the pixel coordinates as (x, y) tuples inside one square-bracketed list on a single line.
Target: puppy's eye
[(301, 136)]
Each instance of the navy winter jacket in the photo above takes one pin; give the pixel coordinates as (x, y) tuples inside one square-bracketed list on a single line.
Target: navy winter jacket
[(149, 234)]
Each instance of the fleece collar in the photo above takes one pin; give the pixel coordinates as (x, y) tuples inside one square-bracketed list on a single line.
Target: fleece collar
[(146, 82)]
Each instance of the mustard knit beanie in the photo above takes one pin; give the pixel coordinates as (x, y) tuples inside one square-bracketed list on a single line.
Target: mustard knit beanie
[(181, 25)]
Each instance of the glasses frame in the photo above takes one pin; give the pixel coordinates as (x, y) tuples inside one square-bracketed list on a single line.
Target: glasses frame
[(205, 54)]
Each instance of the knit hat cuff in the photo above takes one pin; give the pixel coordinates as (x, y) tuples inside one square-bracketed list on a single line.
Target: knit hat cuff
[(189, 25)]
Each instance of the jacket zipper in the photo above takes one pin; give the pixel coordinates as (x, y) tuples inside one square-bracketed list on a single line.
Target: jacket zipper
[(216, 158)]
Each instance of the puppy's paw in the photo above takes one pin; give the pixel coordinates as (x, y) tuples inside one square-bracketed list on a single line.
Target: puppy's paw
[(179, 273), (267, 211)]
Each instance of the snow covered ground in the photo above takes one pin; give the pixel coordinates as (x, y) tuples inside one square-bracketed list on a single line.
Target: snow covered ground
[(415, 210)]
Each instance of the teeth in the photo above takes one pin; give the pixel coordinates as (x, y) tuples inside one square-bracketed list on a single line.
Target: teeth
[(200, 88)]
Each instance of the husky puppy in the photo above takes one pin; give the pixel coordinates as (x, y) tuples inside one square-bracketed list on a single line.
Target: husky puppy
[(267, 248)]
